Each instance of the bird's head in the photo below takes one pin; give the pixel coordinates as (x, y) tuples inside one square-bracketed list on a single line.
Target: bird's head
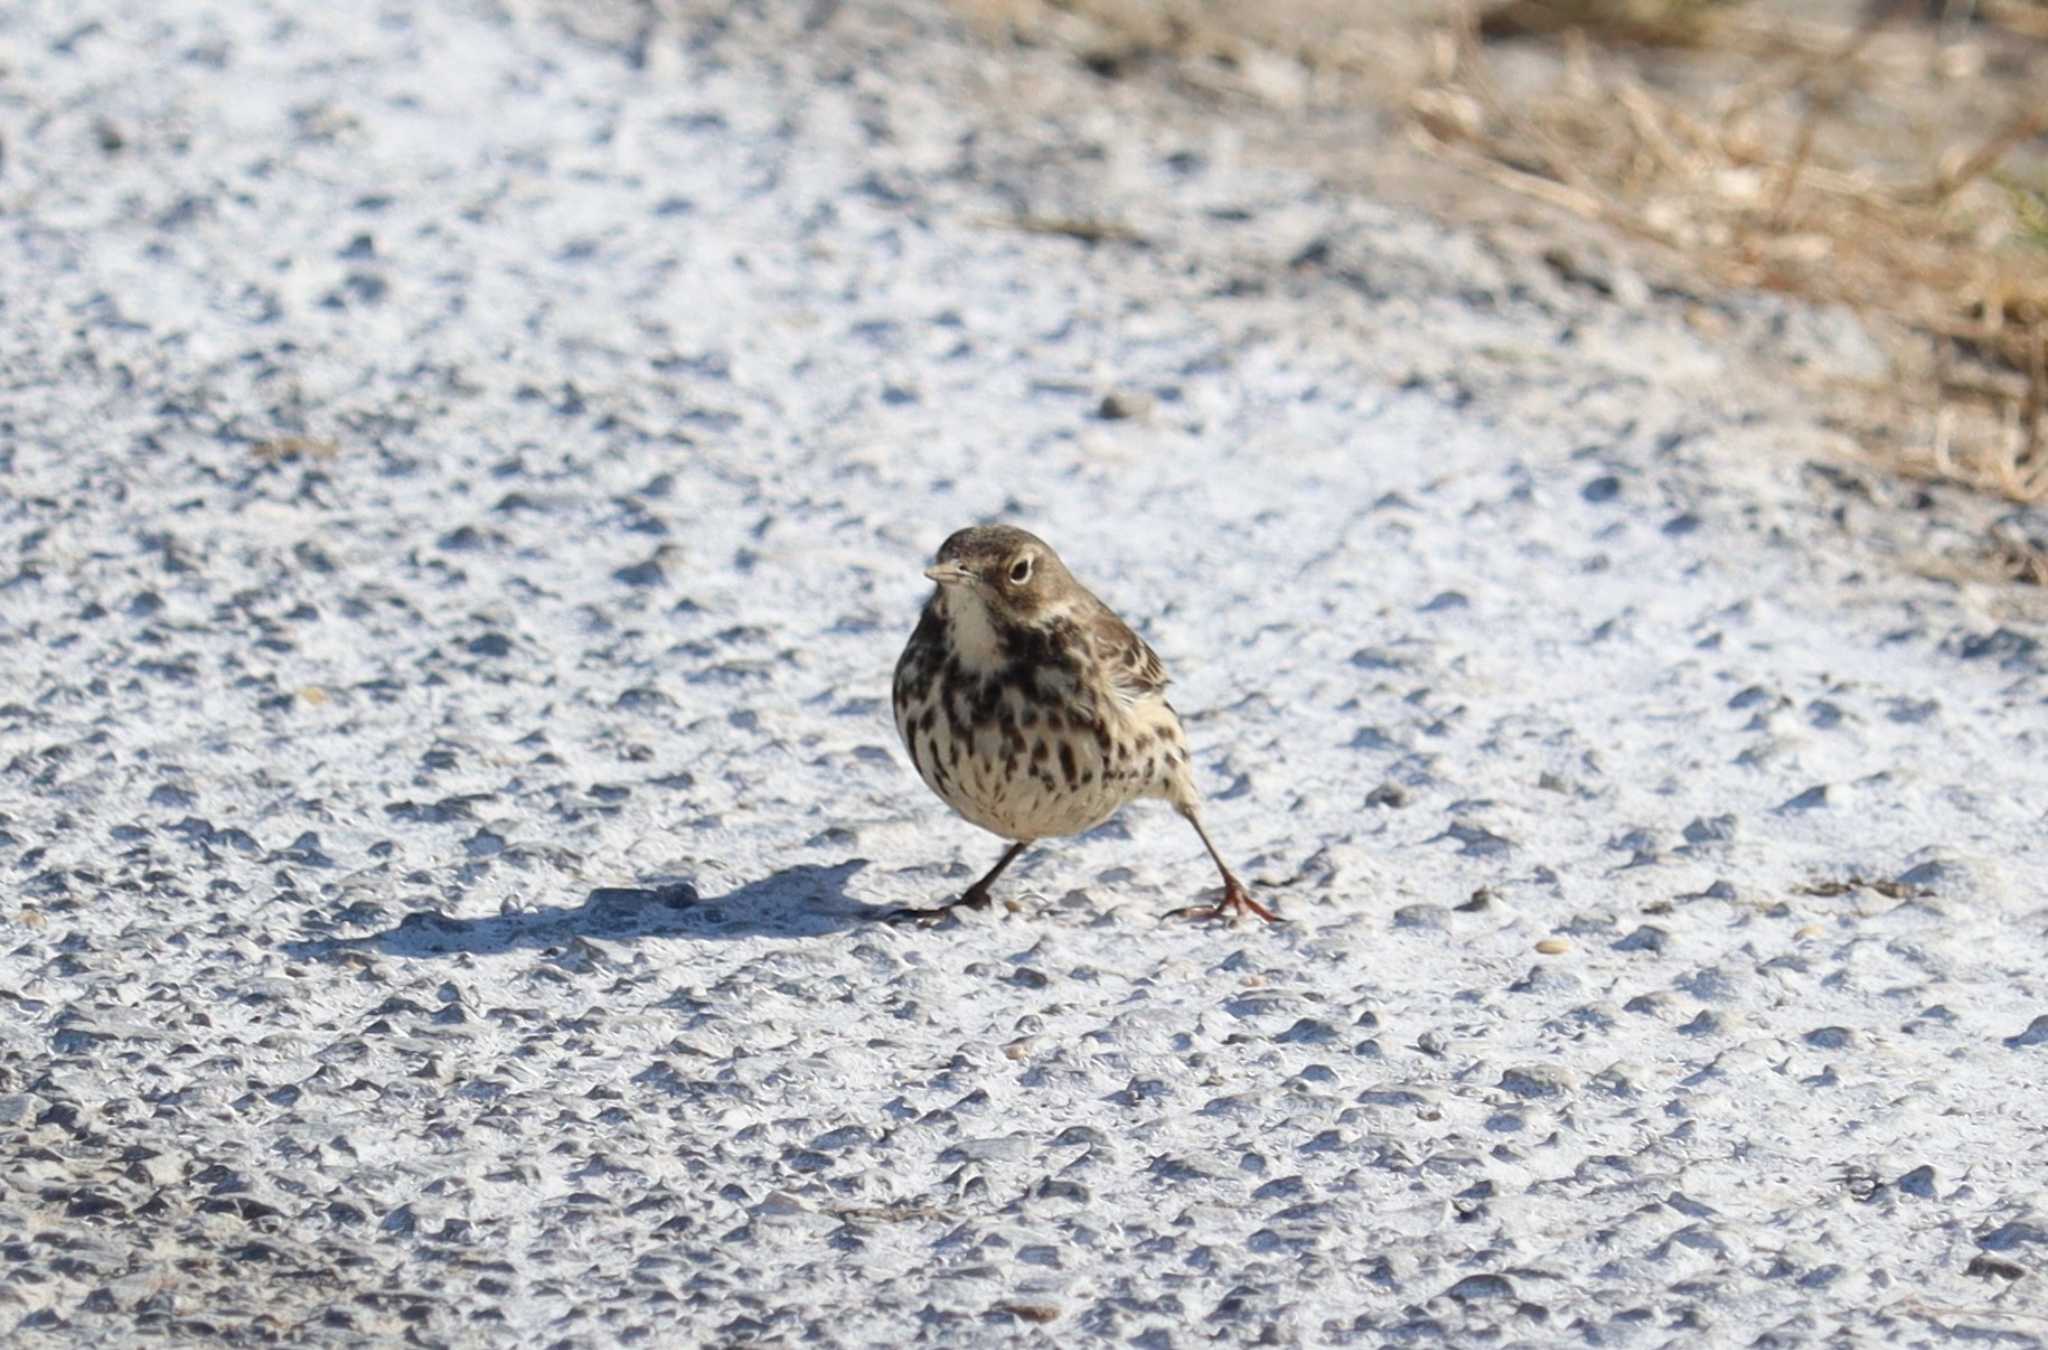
[(1011, 573)]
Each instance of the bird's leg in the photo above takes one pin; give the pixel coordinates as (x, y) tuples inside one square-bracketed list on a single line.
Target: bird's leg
[(1236, 899), (974, 897)]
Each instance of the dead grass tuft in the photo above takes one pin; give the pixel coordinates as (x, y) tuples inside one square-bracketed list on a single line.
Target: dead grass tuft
[(1886, 155), (1872, 166)]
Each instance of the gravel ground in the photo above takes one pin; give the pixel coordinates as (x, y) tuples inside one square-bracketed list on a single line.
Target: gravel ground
[(464, 475)]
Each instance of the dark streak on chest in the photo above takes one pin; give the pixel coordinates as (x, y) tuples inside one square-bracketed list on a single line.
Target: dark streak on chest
[(1042, 663)]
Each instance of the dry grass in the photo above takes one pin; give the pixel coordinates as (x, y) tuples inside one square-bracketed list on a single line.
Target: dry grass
[(1855, 153), (1874, 166)]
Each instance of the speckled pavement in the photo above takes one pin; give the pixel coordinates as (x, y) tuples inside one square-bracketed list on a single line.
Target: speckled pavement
[(464, 475)]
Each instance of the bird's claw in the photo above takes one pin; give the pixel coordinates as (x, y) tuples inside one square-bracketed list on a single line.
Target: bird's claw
[(934, 915), (1236, 901)]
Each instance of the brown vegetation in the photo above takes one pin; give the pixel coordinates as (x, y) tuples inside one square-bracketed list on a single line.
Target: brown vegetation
[(1890, 156)]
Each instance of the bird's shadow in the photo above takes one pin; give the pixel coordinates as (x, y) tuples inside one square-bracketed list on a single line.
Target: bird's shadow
[(804, 901)]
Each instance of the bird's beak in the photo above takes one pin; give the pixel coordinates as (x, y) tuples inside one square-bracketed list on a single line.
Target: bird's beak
[(949, 574)]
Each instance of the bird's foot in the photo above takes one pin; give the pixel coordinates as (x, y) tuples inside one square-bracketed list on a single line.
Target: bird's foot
[(1236, 901), (926, 917)]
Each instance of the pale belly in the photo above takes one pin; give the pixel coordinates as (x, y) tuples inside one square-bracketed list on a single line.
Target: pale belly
[(1022, 779)]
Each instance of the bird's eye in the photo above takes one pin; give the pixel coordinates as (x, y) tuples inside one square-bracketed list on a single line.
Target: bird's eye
[(1020, 571)]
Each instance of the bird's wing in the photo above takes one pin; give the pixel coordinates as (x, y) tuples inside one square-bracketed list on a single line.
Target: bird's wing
[(1133, 669)]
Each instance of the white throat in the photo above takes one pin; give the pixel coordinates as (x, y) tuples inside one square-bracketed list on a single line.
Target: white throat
[(974, 636)]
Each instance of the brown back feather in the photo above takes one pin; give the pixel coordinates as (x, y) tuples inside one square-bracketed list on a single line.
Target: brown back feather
[(1133, 669)]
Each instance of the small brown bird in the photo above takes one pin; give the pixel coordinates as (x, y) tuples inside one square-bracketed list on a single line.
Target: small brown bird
[(1032, 710)]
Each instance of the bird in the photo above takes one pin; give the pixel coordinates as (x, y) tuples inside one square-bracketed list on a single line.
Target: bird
[(1035, 712)]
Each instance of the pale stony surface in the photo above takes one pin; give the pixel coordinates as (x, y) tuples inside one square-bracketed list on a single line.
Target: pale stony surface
[(464, 471)]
